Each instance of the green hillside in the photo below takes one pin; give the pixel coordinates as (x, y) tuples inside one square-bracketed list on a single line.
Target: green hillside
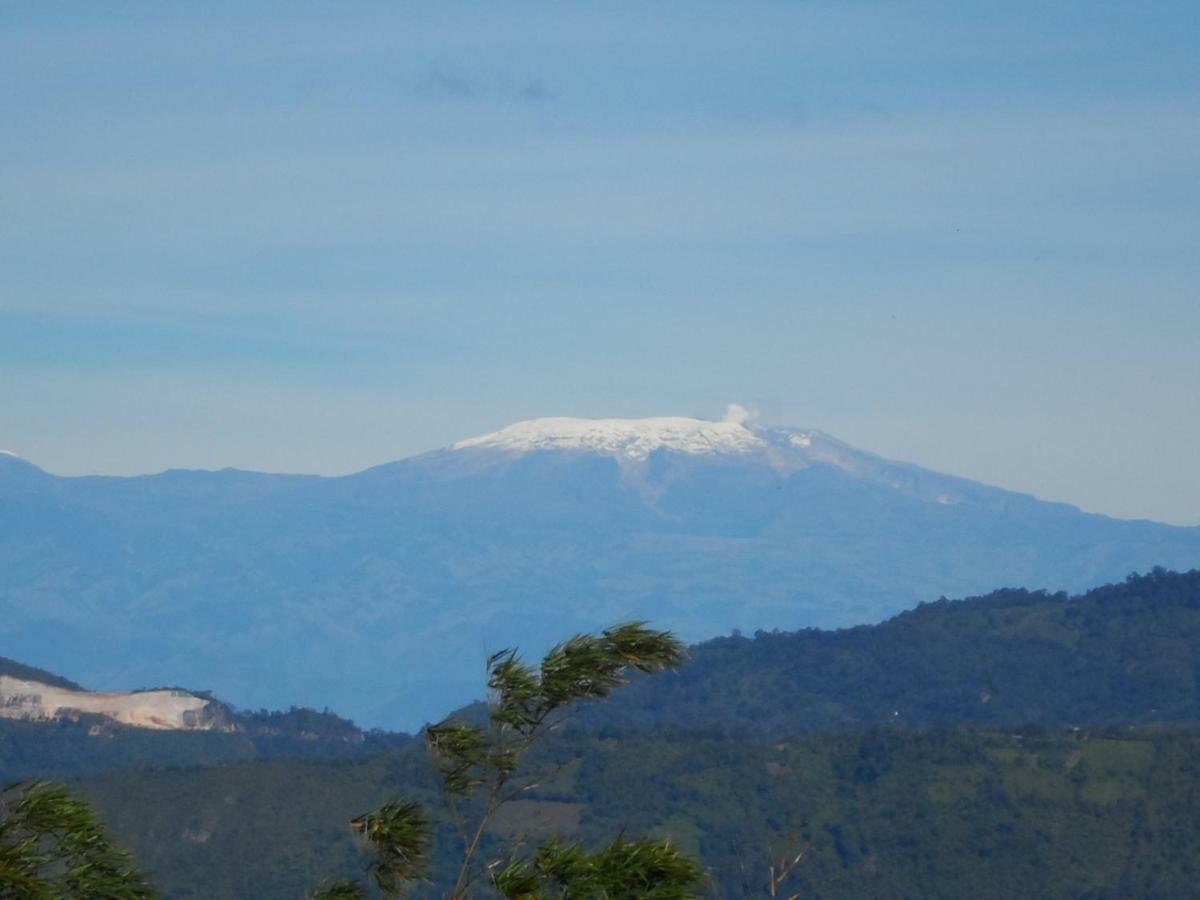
[(94, 744), (15, 669), (1014, 744), (1124, 653), (886, 814)]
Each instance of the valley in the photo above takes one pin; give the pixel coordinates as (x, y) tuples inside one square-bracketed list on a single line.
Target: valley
[(1014, 736)]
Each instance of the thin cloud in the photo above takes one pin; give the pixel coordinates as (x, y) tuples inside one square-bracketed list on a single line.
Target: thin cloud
[(873, 108), (442, 81), (446, 82), (535, 91)]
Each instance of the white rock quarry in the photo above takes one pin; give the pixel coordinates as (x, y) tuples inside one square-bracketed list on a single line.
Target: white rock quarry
[(162, 710)]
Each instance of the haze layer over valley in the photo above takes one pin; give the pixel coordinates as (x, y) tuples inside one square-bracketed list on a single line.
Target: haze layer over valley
[(379, 594)]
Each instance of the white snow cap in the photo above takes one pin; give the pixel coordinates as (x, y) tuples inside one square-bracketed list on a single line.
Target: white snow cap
[(631, 438), (8, 453)]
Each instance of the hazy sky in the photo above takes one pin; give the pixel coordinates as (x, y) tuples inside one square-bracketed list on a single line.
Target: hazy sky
[(316, 237)]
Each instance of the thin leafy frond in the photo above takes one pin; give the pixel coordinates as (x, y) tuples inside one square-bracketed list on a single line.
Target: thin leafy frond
[(53, 846), (644, 649), (476, 766), (647, 870), (340, 890), (518, 881), (458, 749), (398, 835), (517, 694), (590, 667)]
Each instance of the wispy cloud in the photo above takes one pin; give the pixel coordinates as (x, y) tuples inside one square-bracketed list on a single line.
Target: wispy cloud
[(451, 83), (442, 81), (535, 91)]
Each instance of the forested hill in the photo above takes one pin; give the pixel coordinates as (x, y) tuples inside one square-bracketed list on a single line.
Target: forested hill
[(14, 669), (887, 814), (1123, 653)]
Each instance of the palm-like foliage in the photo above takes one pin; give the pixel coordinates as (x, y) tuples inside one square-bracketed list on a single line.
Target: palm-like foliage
[(53, 848), (624, 870), (477, 766), (345, 889), (397, 833)]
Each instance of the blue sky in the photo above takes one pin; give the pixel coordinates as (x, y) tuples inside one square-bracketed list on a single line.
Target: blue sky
[(315, 237)]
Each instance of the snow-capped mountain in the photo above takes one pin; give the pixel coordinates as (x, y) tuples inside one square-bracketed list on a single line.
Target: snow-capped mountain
[(631, 439), (379, 593), (652, 451)]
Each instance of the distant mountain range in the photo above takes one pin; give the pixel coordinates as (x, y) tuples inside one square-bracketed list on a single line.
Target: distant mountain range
[(379, 594)]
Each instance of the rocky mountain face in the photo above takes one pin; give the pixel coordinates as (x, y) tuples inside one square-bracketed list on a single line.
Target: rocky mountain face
[(379, 594), (166, 710), (52, 728)]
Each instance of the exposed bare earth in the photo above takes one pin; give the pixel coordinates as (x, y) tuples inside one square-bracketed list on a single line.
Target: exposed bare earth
[(163, 710)]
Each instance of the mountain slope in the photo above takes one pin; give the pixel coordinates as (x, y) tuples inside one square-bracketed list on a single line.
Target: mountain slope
[(1123, 653), (379, 593), (888, 814), (14, 669), (1102, 811), (167, 710), (52, 728)]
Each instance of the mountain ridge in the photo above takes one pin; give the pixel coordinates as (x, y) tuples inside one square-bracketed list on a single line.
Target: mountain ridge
[(274, 589), (1119, 654), (632, 438), (635, 439)]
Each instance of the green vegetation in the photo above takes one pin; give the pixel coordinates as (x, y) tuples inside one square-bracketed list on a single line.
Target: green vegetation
[(1125, 653), (479, 769), (1044, 746), (1121, 654), (94, 744), (14, 669), (884, 814), (52, 848)]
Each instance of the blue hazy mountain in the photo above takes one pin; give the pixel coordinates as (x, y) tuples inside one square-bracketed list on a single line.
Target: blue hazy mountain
[(379, 594)]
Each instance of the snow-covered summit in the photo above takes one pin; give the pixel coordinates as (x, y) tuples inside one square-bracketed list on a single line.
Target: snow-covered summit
[(629, 438)]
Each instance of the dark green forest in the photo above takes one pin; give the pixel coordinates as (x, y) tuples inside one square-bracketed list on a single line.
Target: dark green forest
[(94, 744), (1017, 743), (888, 813), (16, 669), (1120, 654)]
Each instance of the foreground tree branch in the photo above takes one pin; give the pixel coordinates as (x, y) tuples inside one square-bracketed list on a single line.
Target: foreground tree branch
[(52, 847), (476, 764)]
